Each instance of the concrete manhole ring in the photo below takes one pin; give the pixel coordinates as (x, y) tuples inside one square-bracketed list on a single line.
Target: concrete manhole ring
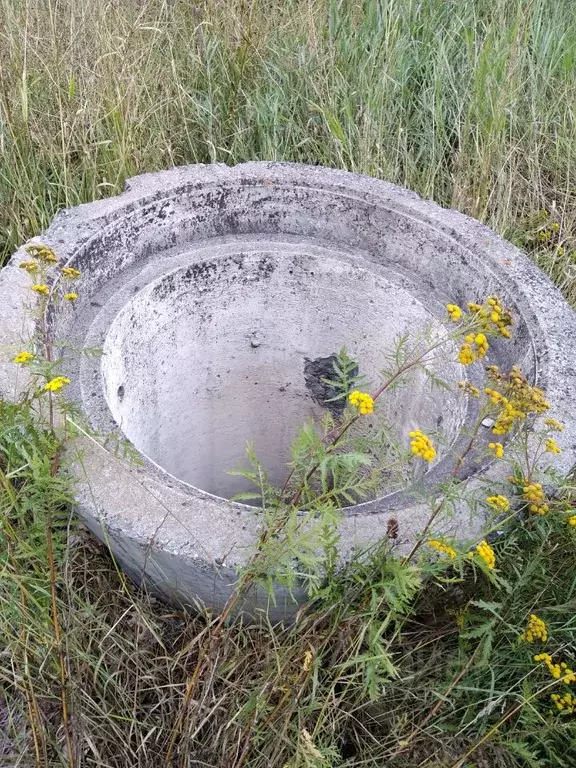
[(217, 294)]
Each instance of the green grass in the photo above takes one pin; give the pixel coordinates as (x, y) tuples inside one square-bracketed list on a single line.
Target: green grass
[(469, 102), (396, 675)]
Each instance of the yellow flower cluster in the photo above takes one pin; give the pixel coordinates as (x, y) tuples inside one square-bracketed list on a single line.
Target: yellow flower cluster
[(536, 629), (42, 258), (514, 395), (494, 318), (533, 494), (485, 551), (499, 502), (56, 384), (421, 445), (565, 703), (497, 449), (362, 401), (42, 253), (30, 266), (475, 347), (441, 547), (554, 425), (23, 358), (552, 446), (468, 388), (571, 520), (454, 312), (558, 671), (70, 273)]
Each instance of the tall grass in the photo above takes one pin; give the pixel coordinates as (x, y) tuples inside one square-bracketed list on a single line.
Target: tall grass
[(470, 102), (362, 682)]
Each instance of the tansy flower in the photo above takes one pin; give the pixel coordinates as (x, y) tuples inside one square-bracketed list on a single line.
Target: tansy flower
[(454, 312), (22, 358), (30, 266), (492, 315), (554, 425), (558, 671), (441, 547), (70, 296), (362, 401), (475, 347), (42, 253), (534, 495), (57, 383), (421, 445), (495, 397), (70, 272), (536, 629), (41, 288), (565, 704), (552, 446), (485, 551), (468, 388), (571, 520), (497, 449), (466, 355), (499, 502)]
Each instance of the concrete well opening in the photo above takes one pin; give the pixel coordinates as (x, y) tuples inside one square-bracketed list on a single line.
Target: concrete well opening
[(235, 349)]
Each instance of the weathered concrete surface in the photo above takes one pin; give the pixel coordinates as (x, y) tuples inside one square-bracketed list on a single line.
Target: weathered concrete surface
[(213, 291)]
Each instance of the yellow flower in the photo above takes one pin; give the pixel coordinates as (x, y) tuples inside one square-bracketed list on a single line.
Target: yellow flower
[(571, 520), (485, 551), (22, 358), (565, 704), (554, 425), (499, 502), (516, 397), (362, 400), (70, 272), (70, 296), (497, 449), (474, 347), (492, 316), (466, 354), (30, 266), (42, 253), (533, 494), (454, 312), (495, 397), (482, 343), (421, 445), (441, 547), (536, 629), (56, 384), (468, 388), (552, 446), (558, 671), (41, 288)]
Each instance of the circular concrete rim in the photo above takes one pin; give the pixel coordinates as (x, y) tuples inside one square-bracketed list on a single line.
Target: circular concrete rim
[(217, 535)]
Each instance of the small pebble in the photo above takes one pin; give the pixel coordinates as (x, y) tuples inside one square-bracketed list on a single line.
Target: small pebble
[(488, 423)]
